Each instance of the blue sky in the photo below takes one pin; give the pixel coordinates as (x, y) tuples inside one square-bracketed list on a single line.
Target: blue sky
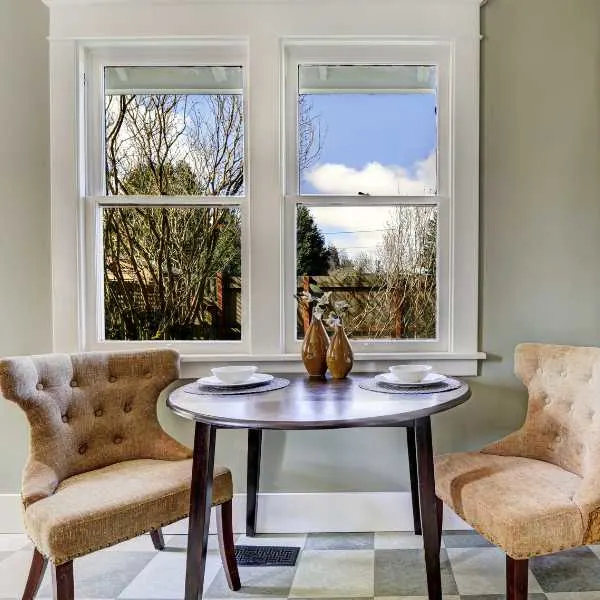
[(390, 129), (383, 144)]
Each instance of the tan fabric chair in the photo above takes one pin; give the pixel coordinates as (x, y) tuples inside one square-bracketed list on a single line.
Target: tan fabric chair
[(101, 470), (536, 491)]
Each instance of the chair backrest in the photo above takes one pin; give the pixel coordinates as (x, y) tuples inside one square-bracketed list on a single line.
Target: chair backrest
[(563, 417), (89, 410)]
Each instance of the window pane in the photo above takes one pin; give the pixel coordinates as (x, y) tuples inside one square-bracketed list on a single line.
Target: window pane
[(174, 131), (172, 273), (367, 129), (381, 260)]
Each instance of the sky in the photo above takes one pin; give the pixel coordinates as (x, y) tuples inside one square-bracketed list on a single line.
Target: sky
[(380, 144)]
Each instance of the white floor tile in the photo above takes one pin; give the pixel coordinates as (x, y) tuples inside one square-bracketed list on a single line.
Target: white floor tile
[(265, 539), (164, 576), (398, 540), (13, 541), (334, 574)]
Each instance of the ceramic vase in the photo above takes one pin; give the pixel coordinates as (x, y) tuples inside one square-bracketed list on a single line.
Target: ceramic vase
[(314, 349), (339, 354)]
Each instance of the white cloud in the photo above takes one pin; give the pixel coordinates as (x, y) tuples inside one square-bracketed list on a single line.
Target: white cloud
[(375, 179)]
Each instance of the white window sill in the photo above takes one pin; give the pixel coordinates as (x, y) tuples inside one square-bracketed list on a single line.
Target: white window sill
[(449, 363)]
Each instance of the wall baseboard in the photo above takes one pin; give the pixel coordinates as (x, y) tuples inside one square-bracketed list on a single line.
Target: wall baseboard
[(295, 513)]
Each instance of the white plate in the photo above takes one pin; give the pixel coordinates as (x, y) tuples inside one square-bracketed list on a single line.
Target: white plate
[(429, 379), (256, 379)]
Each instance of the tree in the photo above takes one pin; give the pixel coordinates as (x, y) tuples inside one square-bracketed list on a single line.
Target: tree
[(312, 255), (161, 262)]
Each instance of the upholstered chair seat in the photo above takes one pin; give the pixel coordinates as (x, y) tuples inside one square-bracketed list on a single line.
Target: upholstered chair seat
[(536, 491), (103, 507), (101, 469)]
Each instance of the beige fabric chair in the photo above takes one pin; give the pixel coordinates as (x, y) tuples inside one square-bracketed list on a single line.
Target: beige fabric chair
[(101, 470), (536, 491)]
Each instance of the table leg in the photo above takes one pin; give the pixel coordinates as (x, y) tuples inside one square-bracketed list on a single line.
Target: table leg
[(429, 520), (252, 479), (414, 478), (200, 504)]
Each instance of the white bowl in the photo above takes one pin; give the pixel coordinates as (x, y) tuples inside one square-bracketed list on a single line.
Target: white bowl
[(234, 373), (409, 373)]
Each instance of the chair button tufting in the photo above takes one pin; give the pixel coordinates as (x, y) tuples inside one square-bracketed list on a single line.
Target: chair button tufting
[(74, 383), (117, 439), (39, 386), (82, 449), (563, 373), (127, 408), (112, 378), (98, 412), (65, 418), (148, 374)]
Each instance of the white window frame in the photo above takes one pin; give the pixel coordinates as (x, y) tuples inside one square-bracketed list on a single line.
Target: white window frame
[(94, 60), (371, 52), (265, 27)]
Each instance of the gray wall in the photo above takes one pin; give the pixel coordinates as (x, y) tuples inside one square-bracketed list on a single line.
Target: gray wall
[(540, 242), (24, 207)]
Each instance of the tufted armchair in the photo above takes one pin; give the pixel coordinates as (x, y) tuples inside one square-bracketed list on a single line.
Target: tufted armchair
[(536, 491), (101, 470)]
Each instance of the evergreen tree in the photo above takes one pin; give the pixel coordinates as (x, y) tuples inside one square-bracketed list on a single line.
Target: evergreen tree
[(313, 256)]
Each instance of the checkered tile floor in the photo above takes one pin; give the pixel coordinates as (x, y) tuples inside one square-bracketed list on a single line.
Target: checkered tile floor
[(360, 565)]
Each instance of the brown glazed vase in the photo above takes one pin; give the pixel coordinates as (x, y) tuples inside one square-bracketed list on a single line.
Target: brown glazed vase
[(314, 349), (339, 355)]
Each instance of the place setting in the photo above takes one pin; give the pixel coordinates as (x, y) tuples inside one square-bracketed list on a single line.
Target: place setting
[(236, 379), (410, 379)]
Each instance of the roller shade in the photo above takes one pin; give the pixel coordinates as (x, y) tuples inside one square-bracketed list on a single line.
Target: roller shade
[(331, 79), (176, 80)]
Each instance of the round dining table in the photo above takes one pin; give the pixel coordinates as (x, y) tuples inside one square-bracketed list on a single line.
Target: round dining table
[(308, 403)]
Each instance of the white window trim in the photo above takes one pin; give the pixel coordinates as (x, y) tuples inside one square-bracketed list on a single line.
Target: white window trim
[(86, 23)]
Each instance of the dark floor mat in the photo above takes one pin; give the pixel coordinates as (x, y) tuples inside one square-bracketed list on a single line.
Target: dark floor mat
[(266, 556)]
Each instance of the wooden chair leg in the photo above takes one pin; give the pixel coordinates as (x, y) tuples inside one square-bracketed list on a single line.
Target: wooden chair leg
[(62, 581), (226, 547), (517, 578), (158, 539), (36, 573), (439, 506)]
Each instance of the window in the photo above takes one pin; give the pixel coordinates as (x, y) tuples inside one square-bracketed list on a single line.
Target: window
[(368, 189), (168, 220), (208, 163)]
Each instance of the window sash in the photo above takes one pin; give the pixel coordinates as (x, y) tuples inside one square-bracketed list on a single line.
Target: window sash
[(443, 319), (405, 52), (93, 61), (93, 334)]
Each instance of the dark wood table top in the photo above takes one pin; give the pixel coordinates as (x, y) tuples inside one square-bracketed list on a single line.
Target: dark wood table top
[(313, 404)]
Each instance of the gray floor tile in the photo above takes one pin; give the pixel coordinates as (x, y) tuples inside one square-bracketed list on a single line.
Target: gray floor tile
[(569, 571), (537, 596), (464, 540), (482, 571), (574, 596), (104, 574), (263, 582), (402, 573), (340, 541)]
